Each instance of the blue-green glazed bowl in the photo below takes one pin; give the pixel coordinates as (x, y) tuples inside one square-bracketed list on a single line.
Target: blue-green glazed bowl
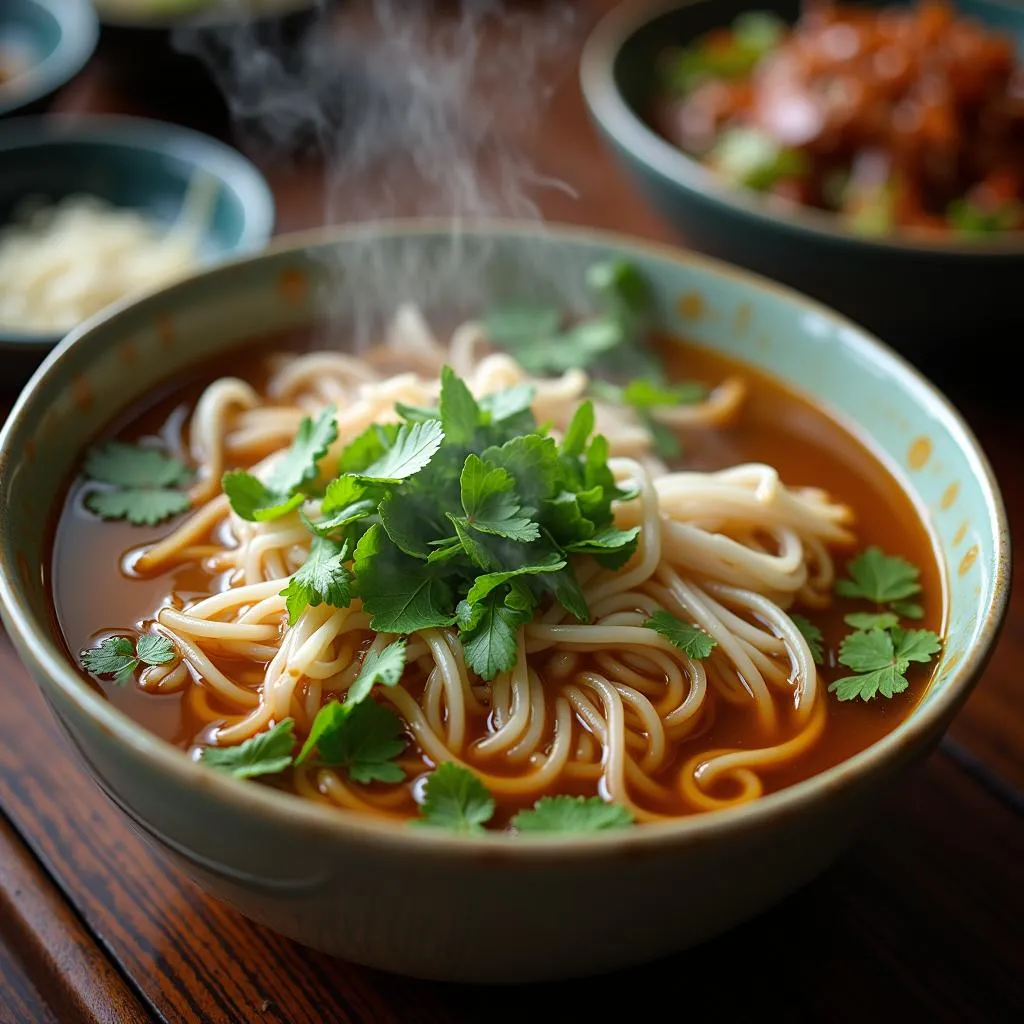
[(49, 41), (130, 162), (924, 297), (496, 908)]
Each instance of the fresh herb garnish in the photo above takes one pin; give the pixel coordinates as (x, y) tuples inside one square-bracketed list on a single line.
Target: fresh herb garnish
[(968, 217), (363, 738), (729, 54), (384, 667), (542, 343), (322, 579), (572, 814), (753, 158), (690, 639), (882, 579), (292, 478), (881, 658), (871, 620), (117, 656), (524, 505), (454, 798), (141, 483), (812, 635), (266, 753)]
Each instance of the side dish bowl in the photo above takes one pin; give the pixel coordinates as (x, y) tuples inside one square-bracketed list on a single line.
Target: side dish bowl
[(50, 41), (919, 295), (133, 163), (439, 905)]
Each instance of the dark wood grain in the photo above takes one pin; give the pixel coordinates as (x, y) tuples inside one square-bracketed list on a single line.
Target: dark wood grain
[(79, 983), (20, 1002), (920, 921)]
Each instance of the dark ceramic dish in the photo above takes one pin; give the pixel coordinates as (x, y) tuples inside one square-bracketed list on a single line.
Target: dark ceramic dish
[(925, 297)]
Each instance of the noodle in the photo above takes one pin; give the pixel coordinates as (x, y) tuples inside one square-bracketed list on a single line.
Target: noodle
[(596, 708)]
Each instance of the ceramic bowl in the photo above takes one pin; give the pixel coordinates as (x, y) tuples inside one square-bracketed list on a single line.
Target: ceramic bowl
[(130, 162), (493, 908), (46, 43), (923, 297)]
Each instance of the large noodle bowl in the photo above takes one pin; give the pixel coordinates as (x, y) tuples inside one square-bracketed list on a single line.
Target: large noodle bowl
[(730, 696)]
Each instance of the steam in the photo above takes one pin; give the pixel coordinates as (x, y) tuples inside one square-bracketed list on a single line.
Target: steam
[(412, 108)]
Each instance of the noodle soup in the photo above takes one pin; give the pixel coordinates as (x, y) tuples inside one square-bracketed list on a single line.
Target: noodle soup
[(417, 584)]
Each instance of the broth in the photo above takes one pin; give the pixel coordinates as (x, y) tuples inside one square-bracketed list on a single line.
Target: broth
[(92, 593)]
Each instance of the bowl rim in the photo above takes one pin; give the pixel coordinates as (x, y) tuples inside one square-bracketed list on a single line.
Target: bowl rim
[(228, 165), (36, 638), (618, 118), (79, 33)]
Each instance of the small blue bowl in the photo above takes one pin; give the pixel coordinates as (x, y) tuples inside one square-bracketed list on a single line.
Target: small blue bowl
[(49, 41), (129, 162)]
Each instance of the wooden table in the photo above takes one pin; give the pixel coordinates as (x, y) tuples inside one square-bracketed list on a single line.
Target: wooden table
[(923, 920)]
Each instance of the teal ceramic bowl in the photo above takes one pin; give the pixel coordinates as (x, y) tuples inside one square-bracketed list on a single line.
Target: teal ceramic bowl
[(43, 45), (926, 298), (144, 165), (496, 908)]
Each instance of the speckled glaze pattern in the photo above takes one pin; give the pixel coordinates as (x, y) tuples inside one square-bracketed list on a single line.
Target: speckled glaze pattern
[(492, 908)]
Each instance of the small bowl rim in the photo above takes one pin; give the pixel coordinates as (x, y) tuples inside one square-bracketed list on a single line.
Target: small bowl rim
[(204, 152), (623, 124), (79, 34), (336, 824)]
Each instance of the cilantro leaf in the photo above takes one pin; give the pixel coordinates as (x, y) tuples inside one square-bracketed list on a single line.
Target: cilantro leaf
[(414, 446), (646, 394), (693, 641), (483, 585), (402, 594), (581, 426), (368, 447), (881, 659), (117, 656), (621, 285), (266, 753), (384, 667), (908, 609), (141, 507), (154, 649), (532, 461), (298, 466), (251, 498), (321, 579), (881, 578), (363, 738), (410, 518), (489, 501), (454, 798), (812, 635), (489, 635), (460, 415), (611, 547), (134, 467), (871, 620), (572, 814), (509, 403)]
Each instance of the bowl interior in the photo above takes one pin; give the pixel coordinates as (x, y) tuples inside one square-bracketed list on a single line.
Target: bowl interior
[(632, 38), (107, 365), (139, 165), (46, 42)]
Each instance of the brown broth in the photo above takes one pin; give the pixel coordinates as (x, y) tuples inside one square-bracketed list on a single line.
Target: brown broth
[(92, 595)]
